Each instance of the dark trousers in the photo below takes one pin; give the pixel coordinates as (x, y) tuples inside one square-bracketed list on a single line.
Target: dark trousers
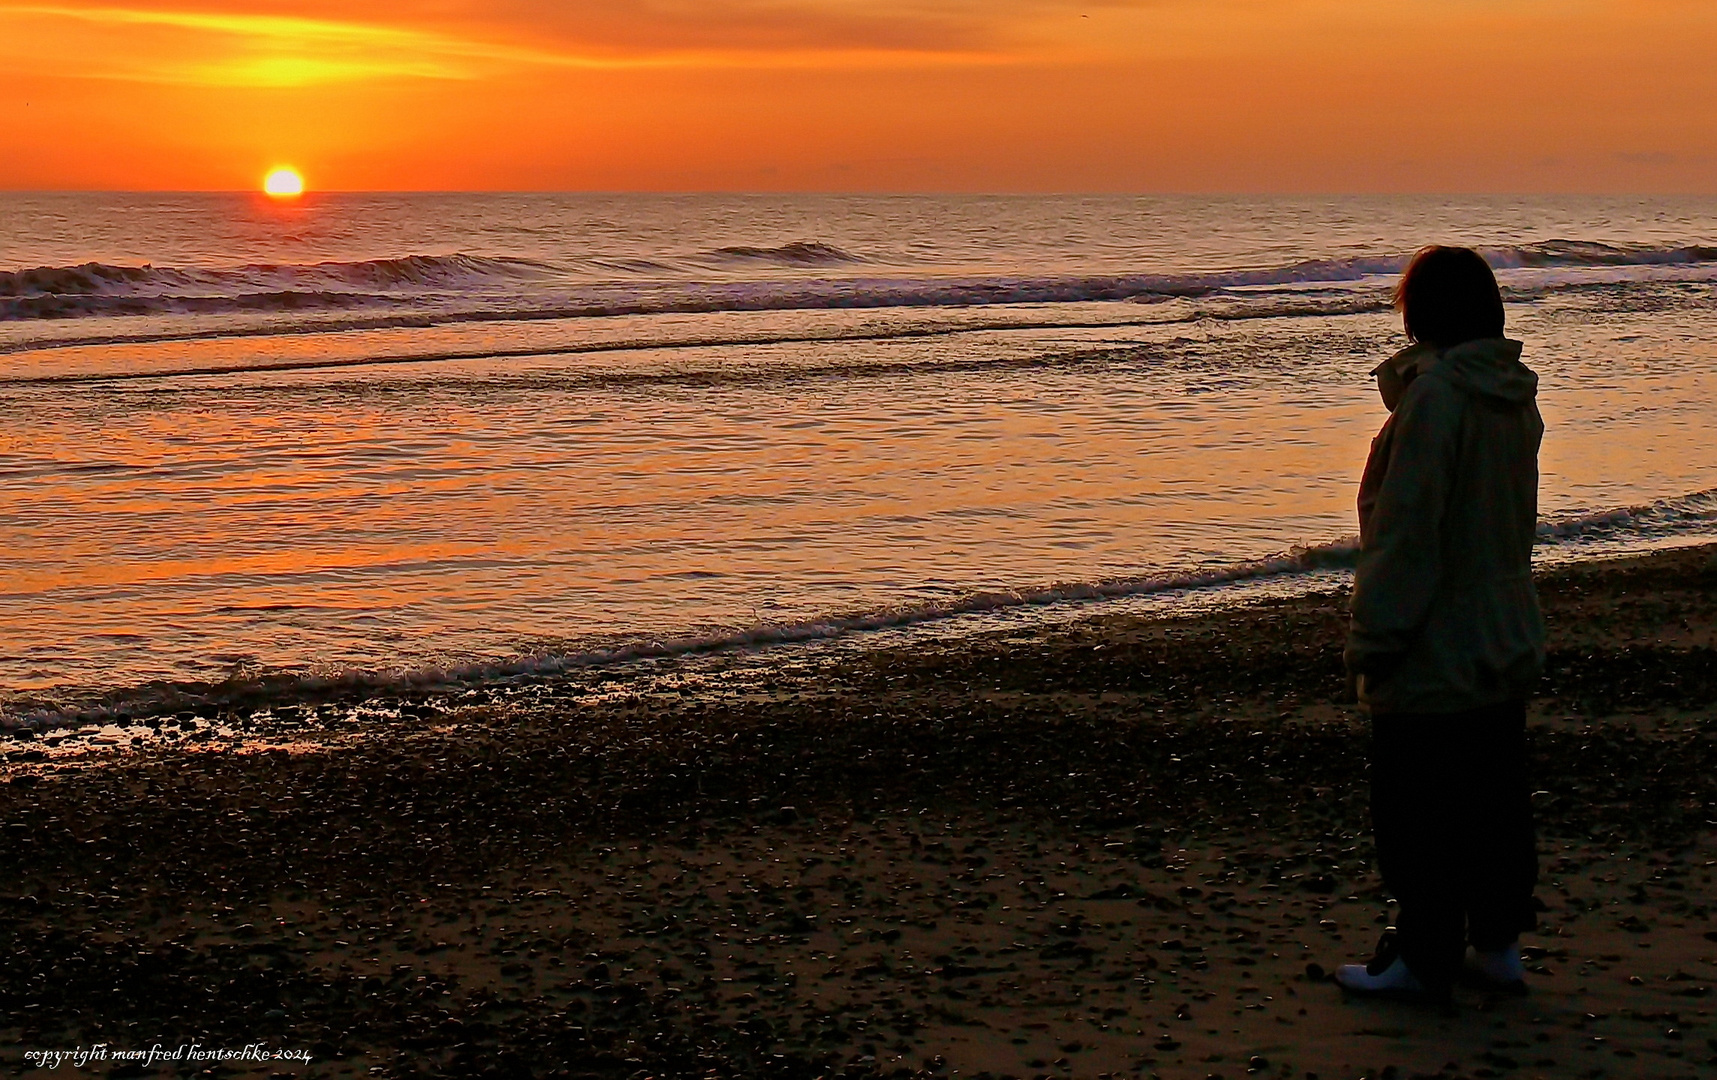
[(1455, 842)]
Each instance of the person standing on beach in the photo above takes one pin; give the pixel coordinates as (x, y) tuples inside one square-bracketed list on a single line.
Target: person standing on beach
[(1446, 637)]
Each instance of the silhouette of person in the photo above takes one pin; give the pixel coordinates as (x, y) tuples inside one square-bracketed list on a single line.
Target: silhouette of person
[(1446, 637)]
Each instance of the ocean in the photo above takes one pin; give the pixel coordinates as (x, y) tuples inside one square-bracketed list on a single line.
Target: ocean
[(251, 448)]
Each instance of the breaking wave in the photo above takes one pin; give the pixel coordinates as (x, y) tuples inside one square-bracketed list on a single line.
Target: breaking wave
[(1686, 515), (459, 287), (94, 278), (57, 292), (1692, 513), (1576, 253), (798, 253)]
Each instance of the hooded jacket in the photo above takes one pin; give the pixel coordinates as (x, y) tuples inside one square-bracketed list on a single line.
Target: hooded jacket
[(1444, 614)]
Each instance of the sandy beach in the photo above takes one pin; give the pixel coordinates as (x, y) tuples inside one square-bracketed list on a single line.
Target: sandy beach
[(1118, 846)]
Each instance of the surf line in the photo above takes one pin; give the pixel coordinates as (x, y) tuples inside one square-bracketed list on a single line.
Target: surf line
[(355, 685), (559, 350), (384, 360), (427, 321)]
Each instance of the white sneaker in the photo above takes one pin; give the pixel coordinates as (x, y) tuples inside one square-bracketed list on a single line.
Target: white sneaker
[(1394, 979), (1499, 970), (1386, 976)]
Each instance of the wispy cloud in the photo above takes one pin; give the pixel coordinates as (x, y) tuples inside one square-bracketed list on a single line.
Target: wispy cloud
[(311, 41), (759, 26), (222, 48)]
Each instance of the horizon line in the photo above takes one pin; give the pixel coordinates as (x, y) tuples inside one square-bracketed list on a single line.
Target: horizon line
[(312, 193)]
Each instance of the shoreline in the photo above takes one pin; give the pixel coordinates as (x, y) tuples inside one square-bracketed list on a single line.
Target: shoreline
[(247, 708), (889, 862)]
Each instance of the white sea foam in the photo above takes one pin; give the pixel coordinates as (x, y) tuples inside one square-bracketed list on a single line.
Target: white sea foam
[(1689, 513)]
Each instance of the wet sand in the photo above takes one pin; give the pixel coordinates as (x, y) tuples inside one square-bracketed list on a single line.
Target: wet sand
[(1119, 846)]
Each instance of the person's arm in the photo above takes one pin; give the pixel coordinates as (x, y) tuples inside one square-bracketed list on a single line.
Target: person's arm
[(1400, 563)]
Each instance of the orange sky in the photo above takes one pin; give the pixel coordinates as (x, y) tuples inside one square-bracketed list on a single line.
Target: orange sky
[(865, 95)]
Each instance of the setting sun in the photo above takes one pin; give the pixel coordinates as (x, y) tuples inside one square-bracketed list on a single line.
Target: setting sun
[(283, 183)]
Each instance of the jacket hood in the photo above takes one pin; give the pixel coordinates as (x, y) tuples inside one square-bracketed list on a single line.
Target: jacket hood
[(1489, 366), (1408, 361)]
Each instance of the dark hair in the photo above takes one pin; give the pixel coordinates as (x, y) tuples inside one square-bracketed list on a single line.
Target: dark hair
[(1448, 295)]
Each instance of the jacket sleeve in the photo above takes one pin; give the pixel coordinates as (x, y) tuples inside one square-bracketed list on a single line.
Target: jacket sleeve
[(1400, 560)]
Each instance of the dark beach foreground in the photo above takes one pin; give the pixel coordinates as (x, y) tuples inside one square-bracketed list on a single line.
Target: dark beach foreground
[(1120, 846)]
